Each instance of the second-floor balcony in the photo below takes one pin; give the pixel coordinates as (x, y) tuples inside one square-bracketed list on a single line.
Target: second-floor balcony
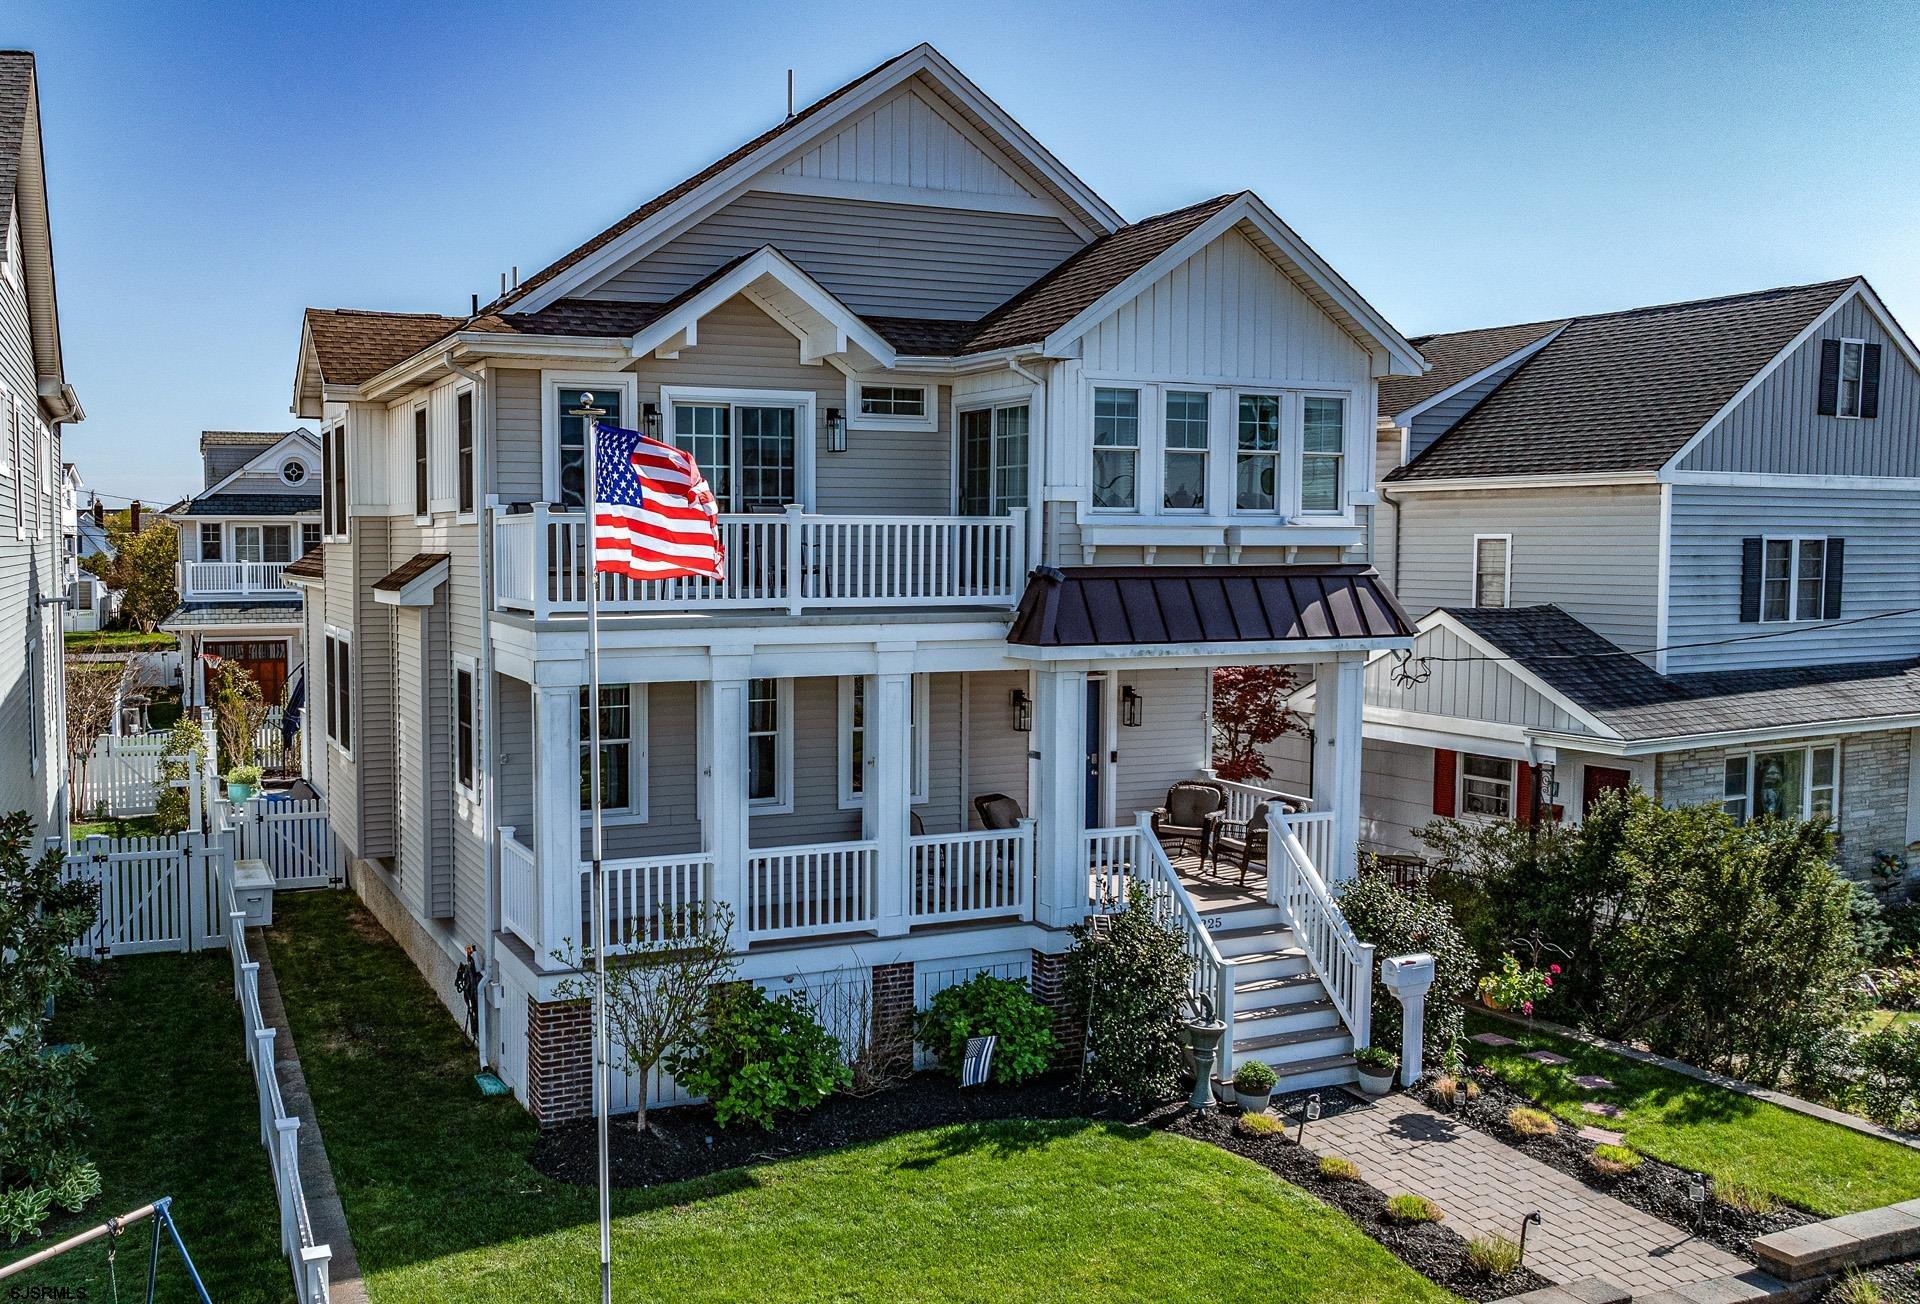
[(790, 561), (228, 579)]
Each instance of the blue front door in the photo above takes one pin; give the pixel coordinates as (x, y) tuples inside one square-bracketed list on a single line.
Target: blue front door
[(1094, 748)]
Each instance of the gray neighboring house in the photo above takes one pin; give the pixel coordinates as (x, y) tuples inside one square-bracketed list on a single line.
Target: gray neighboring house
[(35, 402), (1670, 546)]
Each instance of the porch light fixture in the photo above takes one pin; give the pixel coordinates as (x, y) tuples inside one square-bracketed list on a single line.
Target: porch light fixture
[(1131, 706), (1022, 711), (650, 415), (836, 431)]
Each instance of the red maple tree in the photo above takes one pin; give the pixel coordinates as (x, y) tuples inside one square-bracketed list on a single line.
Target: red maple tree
[(1250, 710)]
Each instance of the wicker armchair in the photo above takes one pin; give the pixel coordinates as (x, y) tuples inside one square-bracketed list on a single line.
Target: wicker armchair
[(1246, 842), (1186, 817), (997, 811)]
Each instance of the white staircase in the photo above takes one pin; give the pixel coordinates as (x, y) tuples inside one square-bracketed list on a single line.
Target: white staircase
[(1282, 1014)]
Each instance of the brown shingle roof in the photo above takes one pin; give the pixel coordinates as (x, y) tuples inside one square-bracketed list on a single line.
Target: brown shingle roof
[(1623, 391), (16, 95), (409, 570), (354, 345), (309, 564), (1455, 356)]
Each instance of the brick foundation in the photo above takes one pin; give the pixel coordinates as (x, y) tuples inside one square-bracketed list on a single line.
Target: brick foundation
[(893, 996), (559, 1060), (1050, 989)]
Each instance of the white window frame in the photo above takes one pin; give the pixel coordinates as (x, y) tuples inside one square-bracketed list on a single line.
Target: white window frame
[(551, 383), (1511, 783), (1144, 397), (1473, 568), (14, 424), (781, 802), (994, 402), (420, 461), (921, 731), (806, 431), (928, 420), (320, 535), (34, 695), (471, 513), (1342, 464), (1165, 451), (306, 472), (635, 811), (1793, 542), (469, 666), (1748, 757), (1840, 381), (342, 709), (334, 494), (6, 434)]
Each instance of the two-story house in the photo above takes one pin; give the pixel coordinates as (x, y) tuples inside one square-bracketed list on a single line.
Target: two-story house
[(83, 533), (1670, 546), (35, 403), (1003, 477), (259, 511)]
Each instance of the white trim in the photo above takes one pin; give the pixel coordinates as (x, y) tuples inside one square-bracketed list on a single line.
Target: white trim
[(1404, 419), (1512, 782), (462, 662), (1776, 480), (261, 463), (342, 638), (1793, 616), (920, 791), (1578, 480), (667, 334), (1861, 393), (551, 383), (1807, 748), (1506, 568), (420, 460), (781, 803), (1663, 586), (471, 390), (928, 421), (639, 698), (805, 425), (418, 591)]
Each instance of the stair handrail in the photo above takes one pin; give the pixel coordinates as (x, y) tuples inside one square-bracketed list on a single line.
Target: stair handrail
[(1341, 961), (1210, 975)]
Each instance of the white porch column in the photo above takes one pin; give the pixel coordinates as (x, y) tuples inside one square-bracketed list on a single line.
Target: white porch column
[(1339, 701), (723, 786), (556, 819), (1060, 796), (887, 785)]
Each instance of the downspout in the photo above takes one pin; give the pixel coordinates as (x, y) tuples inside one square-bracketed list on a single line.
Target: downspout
[(482, 499), (1036, 508)]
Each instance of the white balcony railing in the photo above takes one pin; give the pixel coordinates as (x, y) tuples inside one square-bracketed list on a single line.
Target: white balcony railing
[(789, 561), (830, 887), (209, 578), (971, 875)]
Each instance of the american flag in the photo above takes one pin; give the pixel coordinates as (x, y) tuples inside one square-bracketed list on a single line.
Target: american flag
[(654, 517)]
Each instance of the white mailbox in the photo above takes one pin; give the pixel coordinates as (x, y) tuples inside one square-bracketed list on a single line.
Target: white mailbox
[(253, 891), (1408, 977)]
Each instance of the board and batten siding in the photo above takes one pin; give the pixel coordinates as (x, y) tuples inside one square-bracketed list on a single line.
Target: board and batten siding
[(907, 140), (1465, 685), (1778, 429), (1881, 574), (1593, 552)]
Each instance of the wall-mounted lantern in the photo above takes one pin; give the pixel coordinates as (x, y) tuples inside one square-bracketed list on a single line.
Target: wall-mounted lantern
[(836, 431), (650, 416), (1022, 711), (1132, 706)]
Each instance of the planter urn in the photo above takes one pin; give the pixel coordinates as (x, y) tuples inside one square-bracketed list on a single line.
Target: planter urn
[(1252, 1102), (1376, 1082), (239, 793)]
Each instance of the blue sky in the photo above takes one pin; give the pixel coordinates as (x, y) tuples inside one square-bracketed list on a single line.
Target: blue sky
[(215, 169)]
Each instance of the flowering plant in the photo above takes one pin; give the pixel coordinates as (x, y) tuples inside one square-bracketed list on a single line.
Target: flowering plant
[(1511, 987)]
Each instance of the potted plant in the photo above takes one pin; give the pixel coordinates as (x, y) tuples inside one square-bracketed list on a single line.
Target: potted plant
[(1511, 987), (1375, 1066), (1253, 1084), (242, 782)]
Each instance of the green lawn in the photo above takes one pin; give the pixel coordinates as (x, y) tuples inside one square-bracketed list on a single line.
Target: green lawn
[(138, 826), (173, 1114), (444, 1205), (1734, 1138), (120, 640)]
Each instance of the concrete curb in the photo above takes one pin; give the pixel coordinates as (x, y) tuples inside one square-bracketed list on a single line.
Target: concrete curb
[(324, 1211)]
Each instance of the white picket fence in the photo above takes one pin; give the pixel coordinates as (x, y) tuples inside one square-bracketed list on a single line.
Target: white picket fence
[(122, 775), (279, 1130), (292, 835)]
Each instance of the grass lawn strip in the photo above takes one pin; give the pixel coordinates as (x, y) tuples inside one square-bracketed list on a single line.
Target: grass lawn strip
[(120, 640), (445, 1205), (1733, 1138), (173, 1114)]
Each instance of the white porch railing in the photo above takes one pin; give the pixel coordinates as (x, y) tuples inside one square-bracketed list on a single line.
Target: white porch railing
[(1315, 831), (208, 578), (1242, 798), (971, 875), (788, 561), (645, 893), (1110, 856), (1210, 975), (520, 892), (797, 891), (1342, 962)]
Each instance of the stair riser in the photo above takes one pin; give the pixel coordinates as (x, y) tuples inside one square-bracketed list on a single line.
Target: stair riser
[(1255, 944), (1261, 970), (1336, 1042), (1340, 1077), (1268, 1024), (1257, 917), (1298, 993)]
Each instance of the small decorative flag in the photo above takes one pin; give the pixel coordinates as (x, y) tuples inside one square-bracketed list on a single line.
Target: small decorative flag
[(654, 516), (978, 1062)]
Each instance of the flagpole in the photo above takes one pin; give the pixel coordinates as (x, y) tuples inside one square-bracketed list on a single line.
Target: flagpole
[(602, 1075)]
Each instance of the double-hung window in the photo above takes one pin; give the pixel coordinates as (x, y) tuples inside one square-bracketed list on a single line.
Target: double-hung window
[(1256, 470), (1116, 448), (466, 726), (1853, 354), (853, 740), (1187, 436), (622, 725), (309, 536), (463, 451), (766, 773), (420, 505), (993, 459), (1322, 453), (339, 671), (333, 507), (210, 541), (1492, 570), (1789, 783), (1793, 579), (1486, 786)]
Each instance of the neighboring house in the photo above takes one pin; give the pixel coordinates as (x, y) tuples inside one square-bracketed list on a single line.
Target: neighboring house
[(259, 511), (917, 358), (83, 533), (1672, 546), (35, 403)]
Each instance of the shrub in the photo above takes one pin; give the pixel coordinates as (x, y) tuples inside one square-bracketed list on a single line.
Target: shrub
[(1856, 1288), (1413, 1209), (1334, 1168), (181, 759), (1128, 979), (1493, 1255), (760, 1056), (1531, 1122), (1741, 1196), (1400, 921), (1614, 1161), (986, 1006), (1375, 1059), (1888, 1067), (1253, 1077), (1261, 1125)]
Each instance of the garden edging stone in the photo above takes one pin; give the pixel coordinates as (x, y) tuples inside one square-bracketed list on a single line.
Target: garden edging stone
[(1855, 1240)]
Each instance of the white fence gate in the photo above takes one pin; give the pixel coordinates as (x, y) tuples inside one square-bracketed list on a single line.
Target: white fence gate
[(293, 837), (123, 775), (156, 894)]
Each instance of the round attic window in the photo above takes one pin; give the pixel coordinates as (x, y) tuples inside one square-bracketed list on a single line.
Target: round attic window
[(294, 472)]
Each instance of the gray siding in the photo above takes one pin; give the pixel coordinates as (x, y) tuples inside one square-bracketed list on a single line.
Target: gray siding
[(895, 260), (516, 433), (1778, 430), (1170, 743), (1882, 574), (1442, 417), (1594, 552), (996, 757)]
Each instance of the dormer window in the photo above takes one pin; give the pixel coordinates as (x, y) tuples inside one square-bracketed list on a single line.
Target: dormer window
[(293, 473)]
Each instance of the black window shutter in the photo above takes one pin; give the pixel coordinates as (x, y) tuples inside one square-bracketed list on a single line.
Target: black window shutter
[(1870, 381), (1829, 377), (1750, 581), (1835, 577)]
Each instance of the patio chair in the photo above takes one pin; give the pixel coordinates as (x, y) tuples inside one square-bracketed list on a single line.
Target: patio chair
[(1187, 815), (1245, 841), (997, 811)]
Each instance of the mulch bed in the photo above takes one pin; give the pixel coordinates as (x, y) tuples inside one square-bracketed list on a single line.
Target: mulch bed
[(1660, 1189), (1896, 1282)]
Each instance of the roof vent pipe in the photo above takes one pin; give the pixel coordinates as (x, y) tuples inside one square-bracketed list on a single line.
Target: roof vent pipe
[(789, 92), (516, 276)]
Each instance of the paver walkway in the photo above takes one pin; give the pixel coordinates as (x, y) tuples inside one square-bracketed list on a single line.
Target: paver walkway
[(1485, 1186)]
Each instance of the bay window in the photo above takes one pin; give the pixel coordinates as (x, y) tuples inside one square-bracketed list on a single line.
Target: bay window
[(1186, 442), (1116, 448), (1789, 783)]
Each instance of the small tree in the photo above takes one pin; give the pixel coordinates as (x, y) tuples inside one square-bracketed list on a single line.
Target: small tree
[(179, 767), (657, 992), (239, 709), (41, 1117), (1126, 976), (92, 691), (142, 569), (1249, 711)]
